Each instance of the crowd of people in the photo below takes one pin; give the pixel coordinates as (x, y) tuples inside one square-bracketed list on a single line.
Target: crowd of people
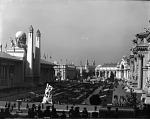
[(39, 111), (52, 113)]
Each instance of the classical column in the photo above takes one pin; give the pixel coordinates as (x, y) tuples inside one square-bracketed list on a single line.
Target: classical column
[(148, 64), (109, 74), (8, 76), (140, 71), (105, 74), (99, 73), (125, 73), (131, 69), (135, 67), (116, 73)]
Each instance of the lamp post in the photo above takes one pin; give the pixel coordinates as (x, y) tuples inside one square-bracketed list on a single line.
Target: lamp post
[(19, 104)]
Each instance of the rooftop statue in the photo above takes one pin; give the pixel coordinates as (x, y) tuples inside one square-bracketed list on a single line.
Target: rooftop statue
[(12, 43), (147, 83)]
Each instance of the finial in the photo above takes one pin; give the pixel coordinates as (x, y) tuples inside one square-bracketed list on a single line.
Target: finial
[(31, 29), (93, 62), (38, 34)]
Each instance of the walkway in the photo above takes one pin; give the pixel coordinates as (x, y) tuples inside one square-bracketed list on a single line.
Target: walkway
[(94, 93)]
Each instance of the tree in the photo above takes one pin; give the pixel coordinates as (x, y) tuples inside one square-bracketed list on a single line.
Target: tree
[(132, 99), (95, 100)]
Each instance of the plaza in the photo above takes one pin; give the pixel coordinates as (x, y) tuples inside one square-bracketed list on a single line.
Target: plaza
[(74, 59)]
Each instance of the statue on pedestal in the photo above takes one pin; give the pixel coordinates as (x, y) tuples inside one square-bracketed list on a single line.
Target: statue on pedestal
[(12, 43), (48, 94), (147, 83)]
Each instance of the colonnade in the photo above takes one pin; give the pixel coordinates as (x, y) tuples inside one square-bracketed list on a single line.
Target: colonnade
[(6, 74), (105, 73), (137, 70), (118, 73)]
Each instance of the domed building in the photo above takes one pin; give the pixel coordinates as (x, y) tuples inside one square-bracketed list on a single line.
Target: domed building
[(20, 65), (20, 38)]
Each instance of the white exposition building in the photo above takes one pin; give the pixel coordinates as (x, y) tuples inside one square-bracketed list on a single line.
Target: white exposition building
[(120, 70), (21, 64)]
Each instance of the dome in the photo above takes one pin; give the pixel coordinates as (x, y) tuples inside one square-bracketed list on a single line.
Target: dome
[(20, 34), (20, 39)]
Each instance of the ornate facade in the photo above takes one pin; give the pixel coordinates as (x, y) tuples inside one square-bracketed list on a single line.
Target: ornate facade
[(120, 70), (20, 65), (65, 71), (140, 65)]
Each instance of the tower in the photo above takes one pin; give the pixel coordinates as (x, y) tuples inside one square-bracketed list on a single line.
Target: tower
[(93, 62), (87, 62), (29, 62), (37, 56), (0, 47)]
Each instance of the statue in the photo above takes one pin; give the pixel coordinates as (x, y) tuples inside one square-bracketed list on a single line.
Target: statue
[(147, 83), (48, 94), (12, 43)]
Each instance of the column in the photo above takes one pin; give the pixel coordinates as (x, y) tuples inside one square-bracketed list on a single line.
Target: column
[(131, 68), (115, 73), (119, 73), (109, 74), (140, 71), (99, 73), (105, 74), (95, 73), (8, 76), (125, 73)]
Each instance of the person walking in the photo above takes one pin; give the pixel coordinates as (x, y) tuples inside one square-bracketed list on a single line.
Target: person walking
[(85, 113), (71, 112)]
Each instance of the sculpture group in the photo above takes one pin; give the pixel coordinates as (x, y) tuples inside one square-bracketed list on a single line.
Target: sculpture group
[(48, 94)]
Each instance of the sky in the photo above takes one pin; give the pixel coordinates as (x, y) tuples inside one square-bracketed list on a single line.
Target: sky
[(77, 30)]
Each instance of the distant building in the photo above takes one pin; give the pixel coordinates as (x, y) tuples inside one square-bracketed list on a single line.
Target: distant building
[(20, 65), (120, 70), (90, 68), (86, 70), (65, 71)]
